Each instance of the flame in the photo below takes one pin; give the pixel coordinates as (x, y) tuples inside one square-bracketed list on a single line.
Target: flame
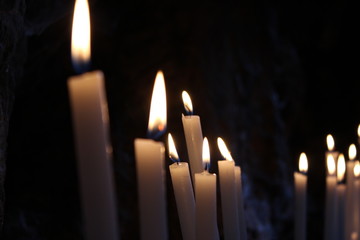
[(331, 164), (224, 150), (303, 163), (330, 142), (187, 102), (352, 152), (80, 37), (173, 155), (341, 167), (157, 118), (358, 130), (357, 169), (206, 153)]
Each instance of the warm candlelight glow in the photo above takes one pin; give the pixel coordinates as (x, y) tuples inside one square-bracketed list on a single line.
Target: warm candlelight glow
[(331, 164), (187, 102), (80, 38), (330, 142), (206, 154), (172, 149), (303, 163), (224, 150), (357, 169), (352, 152), (358, 130), (157, 118), (341, 167)]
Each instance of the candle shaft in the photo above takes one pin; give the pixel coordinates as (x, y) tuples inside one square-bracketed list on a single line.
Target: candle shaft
[(240, 201), (349, 199), (340, 211), (300, 181), (330, 222)]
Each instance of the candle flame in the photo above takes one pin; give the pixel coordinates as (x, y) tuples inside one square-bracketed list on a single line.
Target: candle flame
[(331, 164), (357, 169), (157, 118), (330, 142), (358, 130), (80, 37), (187, 102), (352, 152), (303, 163), (206, 154), (224, 150), (173, 155), (341, 167)]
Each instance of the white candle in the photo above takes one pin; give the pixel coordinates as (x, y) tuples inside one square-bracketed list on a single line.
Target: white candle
[(228, 193), (330, 222), (240, 201), (150, 169), (349, 198), (183, 191), (331, 147), (93, 148), (300, 181), (193, 136), (340, 198), (356, 230), (205, 204)]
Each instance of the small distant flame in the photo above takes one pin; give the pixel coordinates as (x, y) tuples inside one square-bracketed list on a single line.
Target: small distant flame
[(352, 152), (173, 155), (331, 166), (206, 154), (224, 150), (187, 103), (157, 118), (357, 169), (330, 142), (303, 163), (358, 130), (341, 167)]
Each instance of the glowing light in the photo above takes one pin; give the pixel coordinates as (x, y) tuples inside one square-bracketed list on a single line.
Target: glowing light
[(357, 169), (157, 118), (331, 164), (341, 167), (303, 163), (80, 38), (173, 155), (224, 150), (330, 142), (352, 152), (358, 130), (187, 102), (206, 154)]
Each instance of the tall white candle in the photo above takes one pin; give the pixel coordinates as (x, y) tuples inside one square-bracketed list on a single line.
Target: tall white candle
[(349, 198), (183, 190), (193, 136), (356, 224), (228, 193), (205, 204), (240, 201), (150, 169), (330, 223), (340, 198), (300, 180), (91, 130)]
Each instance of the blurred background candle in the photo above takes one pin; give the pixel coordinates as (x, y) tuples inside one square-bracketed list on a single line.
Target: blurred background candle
[(193, 136), (183, 191), (356, 210), (349, 199), (330, 142), (228, 194), (330, 199), (340, 198), (205, 200), (150, 169), (91, 127), (300, 180)]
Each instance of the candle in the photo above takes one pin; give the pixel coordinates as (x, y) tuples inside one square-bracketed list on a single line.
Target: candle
[(205, 204), (228, 193), (93, 149), (300, 180), (340, 198), (330, 199), (150, 170), (240, 201), (349, 197), (183, 191), (193, 135), (356, 208), (331, 147)]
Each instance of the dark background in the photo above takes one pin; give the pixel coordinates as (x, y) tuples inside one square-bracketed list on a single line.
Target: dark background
[(271, 78)]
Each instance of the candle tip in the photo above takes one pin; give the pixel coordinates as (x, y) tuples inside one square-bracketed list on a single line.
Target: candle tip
[(173, 155), (187, 103), (224, 150)]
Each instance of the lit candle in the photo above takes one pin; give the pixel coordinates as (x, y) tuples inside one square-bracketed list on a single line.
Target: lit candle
[(300, 180), (183, 191), (349, 199), (193, 136), (228, 194), (150, 169), (330, 198), (205, 204), (93, 148), (340, 198), (330, 142), (356, 209)]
